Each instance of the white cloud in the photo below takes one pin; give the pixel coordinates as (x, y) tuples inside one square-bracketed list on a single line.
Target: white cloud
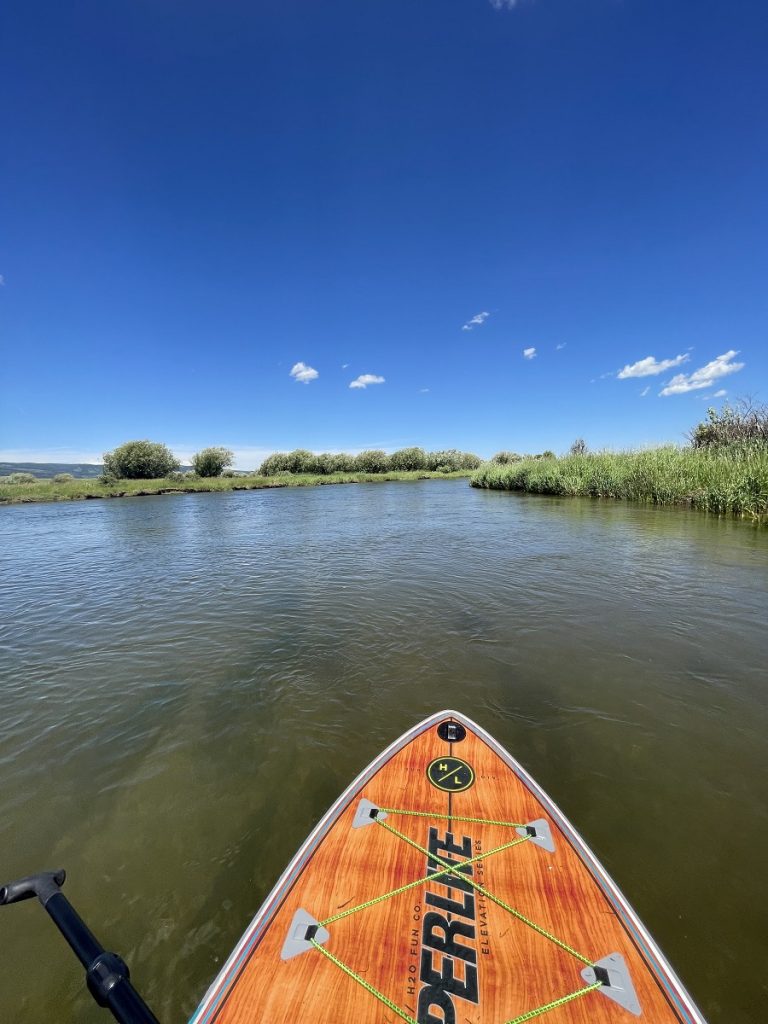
[(365, 379), (2, 281), (344, 366), (645, 390), (720, 394), (503, 5), (477, 321), (529, 353), (423, 391), (304, 373), (650, 367), (705, 376), (560, 346)]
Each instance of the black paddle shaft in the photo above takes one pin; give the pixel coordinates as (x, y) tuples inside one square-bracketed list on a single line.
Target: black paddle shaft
[(106, 974)]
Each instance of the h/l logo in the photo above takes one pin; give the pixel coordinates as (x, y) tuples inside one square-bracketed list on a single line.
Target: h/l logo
[(450, 774)]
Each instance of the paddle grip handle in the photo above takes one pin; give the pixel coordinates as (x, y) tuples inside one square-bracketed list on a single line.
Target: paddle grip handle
[(106, 974), (43, 885)]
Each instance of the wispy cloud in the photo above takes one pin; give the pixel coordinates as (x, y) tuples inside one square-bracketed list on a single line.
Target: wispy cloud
[(720, 394), (365, 379), (560, 346), (645, 390), (51, 454), (705, 376), (423, 391), (344, 366), (2, 281), (529, 353), (650, 366), (477, 321), (503, 5), (304, 373)]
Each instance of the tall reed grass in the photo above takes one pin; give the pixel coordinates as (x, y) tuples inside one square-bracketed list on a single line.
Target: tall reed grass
[(730, 480)]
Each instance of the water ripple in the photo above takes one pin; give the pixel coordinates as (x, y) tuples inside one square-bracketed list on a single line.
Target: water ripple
[(188, 682)]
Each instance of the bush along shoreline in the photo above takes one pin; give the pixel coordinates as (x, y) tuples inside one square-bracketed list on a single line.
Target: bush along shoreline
[(405, 460), (140, 468), (724, 470)]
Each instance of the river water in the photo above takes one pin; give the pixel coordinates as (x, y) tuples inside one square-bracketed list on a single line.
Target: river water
[(187, 682)]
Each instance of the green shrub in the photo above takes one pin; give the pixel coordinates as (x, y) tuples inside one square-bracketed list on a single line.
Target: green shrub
[(139, 460), (298, 461), (371, 461), (302, 461), (21, 478), (506, 458), (63, 478), (739, 424), (212, 461), (451, 461), (408, 459), (338, 462), (440, 462), (274, 464)]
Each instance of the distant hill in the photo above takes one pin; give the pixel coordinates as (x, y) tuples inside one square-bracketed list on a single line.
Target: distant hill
[(81, 470), (45, 470)]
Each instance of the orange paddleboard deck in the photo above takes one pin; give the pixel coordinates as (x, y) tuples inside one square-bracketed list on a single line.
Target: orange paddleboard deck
[(445, 887)]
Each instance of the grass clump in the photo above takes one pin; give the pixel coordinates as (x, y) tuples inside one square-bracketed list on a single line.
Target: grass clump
[(724, 480)]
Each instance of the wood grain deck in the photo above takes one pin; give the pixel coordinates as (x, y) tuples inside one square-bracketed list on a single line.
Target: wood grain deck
[(440, 954)]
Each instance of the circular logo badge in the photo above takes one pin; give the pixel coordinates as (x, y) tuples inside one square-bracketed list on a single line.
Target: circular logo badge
[(450, 774)]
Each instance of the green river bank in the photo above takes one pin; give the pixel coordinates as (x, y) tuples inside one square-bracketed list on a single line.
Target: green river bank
[(730, 480), (76, 490)]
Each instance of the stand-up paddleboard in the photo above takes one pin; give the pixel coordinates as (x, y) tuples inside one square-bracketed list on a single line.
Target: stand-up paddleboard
[(445, 887)]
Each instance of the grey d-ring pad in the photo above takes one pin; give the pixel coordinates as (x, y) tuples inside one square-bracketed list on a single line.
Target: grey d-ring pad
[(540, 834), (616, 982), (302, 927), (367, 813)]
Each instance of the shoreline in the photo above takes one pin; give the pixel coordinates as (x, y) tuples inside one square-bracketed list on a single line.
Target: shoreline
[(727, 482), (47, 492)]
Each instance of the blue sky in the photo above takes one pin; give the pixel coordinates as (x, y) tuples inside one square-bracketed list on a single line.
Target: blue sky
[(200, 198)]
